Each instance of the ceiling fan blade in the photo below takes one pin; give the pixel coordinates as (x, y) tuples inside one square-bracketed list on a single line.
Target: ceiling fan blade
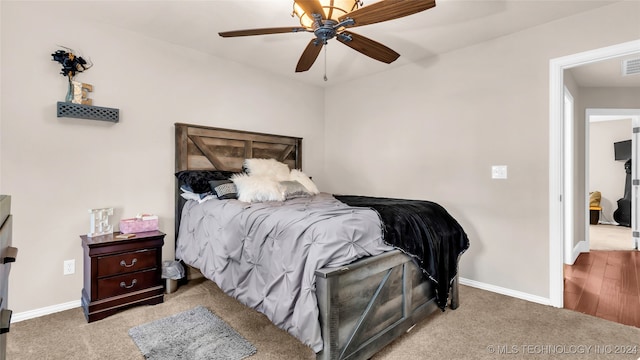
[(385, 10), (265, 31), (366, 46), (309, 55), (311, 7)]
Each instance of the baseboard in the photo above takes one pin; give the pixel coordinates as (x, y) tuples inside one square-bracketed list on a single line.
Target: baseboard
[(608, 223), (26, 315), (505, 291), (580, 247)]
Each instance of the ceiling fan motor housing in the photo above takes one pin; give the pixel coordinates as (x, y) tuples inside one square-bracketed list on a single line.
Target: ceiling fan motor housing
[(328, 29)]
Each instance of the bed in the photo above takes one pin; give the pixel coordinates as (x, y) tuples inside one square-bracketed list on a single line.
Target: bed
[(361, 303)]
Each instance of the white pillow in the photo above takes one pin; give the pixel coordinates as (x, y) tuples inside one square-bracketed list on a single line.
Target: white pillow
[(299, 176), (270, 168), (257, 188)]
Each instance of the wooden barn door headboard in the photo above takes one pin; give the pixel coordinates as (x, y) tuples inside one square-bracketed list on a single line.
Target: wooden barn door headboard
[(209, 148)]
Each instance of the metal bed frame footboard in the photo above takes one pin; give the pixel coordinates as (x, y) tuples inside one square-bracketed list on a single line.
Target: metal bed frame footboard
[(365, 305)]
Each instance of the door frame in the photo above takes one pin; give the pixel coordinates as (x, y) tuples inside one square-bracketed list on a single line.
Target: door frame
[(557, 206), (568, 135)]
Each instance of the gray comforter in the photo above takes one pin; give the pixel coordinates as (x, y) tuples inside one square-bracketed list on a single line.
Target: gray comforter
[(266, 254)]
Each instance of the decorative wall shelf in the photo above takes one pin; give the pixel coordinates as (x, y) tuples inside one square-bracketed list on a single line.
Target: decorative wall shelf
[(71, 110)]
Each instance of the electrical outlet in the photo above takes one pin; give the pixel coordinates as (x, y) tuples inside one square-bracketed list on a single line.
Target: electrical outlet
[(499, 172), (69, 267)]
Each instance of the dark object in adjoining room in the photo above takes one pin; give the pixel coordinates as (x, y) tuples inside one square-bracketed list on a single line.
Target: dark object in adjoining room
[(622, 150), (594, 215), (623, 214), (594, 207)]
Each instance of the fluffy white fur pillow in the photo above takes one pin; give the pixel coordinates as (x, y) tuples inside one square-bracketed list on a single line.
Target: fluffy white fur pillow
[(269, 168), (302, 178), (257, 188)]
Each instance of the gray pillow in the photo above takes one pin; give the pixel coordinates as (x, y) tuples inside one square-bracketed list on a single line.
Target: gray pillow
[(294, 189), (224, 189)]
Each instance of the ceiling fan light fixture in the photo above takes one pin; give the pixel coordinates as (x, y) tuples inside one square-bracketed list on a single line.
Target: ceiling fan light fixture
[(332, 9)]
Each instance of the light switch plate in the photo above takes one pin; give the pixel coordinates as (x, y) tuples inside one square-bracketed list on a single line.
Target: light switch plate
[(499, 172)]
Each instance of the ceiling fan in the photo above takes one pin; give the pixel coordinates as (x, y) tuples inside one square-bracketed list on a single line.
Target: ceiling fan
[(328, 19)]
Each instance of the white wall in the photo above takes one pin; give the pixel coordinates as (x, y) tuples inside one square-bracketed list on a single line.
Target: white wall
[(56, 169), (438, 126)]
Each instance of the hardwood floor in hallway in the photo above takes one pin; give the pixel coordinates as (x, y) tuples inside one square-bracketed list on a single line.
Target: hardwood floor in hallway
[(605, 284)]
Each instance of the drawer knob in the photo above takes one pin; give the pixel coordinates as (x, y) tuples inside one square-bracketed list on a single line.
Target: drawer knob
[(125, 286), (133, 262)]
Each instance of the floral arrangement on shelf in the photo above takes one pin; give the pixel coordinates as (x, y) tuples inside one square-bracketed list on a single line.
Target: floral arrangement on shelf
[(72, 64)]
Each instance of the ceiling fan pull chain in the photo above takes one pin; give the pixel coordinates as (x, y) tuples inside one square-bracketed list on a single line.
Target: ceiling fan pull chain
[(325, 63)]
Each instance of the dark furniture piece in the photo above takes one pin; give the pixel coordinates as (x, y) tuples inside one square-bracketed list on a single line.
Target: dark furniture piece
[(623, 214), (7, 256), (594, 214), (119, 273)]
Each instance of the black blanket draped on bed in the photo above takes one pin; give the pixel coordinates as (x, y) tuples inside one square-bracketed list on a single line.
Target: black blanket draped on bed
[(442, 239)]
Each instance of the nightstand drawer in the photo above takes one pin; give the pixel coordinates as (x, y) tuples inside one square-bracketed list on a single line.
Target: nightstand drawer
[(126, 262), (123, 284)]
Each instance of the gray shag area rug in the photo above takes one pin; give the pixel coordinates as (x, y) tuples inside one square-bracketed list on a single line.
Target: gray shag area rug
[(195, 334)]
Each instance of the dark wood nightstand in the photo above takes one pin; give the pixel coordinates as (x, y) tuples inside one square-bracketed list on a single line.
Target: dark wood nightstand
[(119, 273)]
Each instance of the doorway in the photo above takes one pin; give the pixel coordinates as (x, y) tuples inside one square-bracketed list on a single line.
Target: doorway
[(559, 181), (609, 141), (594, 280)]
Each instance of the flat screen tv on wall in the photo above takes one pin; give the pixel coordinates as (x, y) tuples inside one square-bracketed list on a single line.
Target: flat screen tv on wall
[(622, 150)]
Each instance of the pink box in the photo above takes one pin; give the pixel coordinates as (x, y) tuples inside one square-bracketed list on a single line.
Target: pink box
[(136, 225)]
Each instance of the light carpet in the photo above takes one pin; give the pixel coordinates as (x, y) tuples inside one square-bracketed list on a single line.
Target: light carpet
[(486, 326), (194, 334), (610, 237)]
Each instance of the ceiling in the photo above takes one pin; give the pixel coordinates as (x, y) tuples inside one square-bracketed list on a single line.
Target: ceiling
[(607, 73), (451, 25)]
